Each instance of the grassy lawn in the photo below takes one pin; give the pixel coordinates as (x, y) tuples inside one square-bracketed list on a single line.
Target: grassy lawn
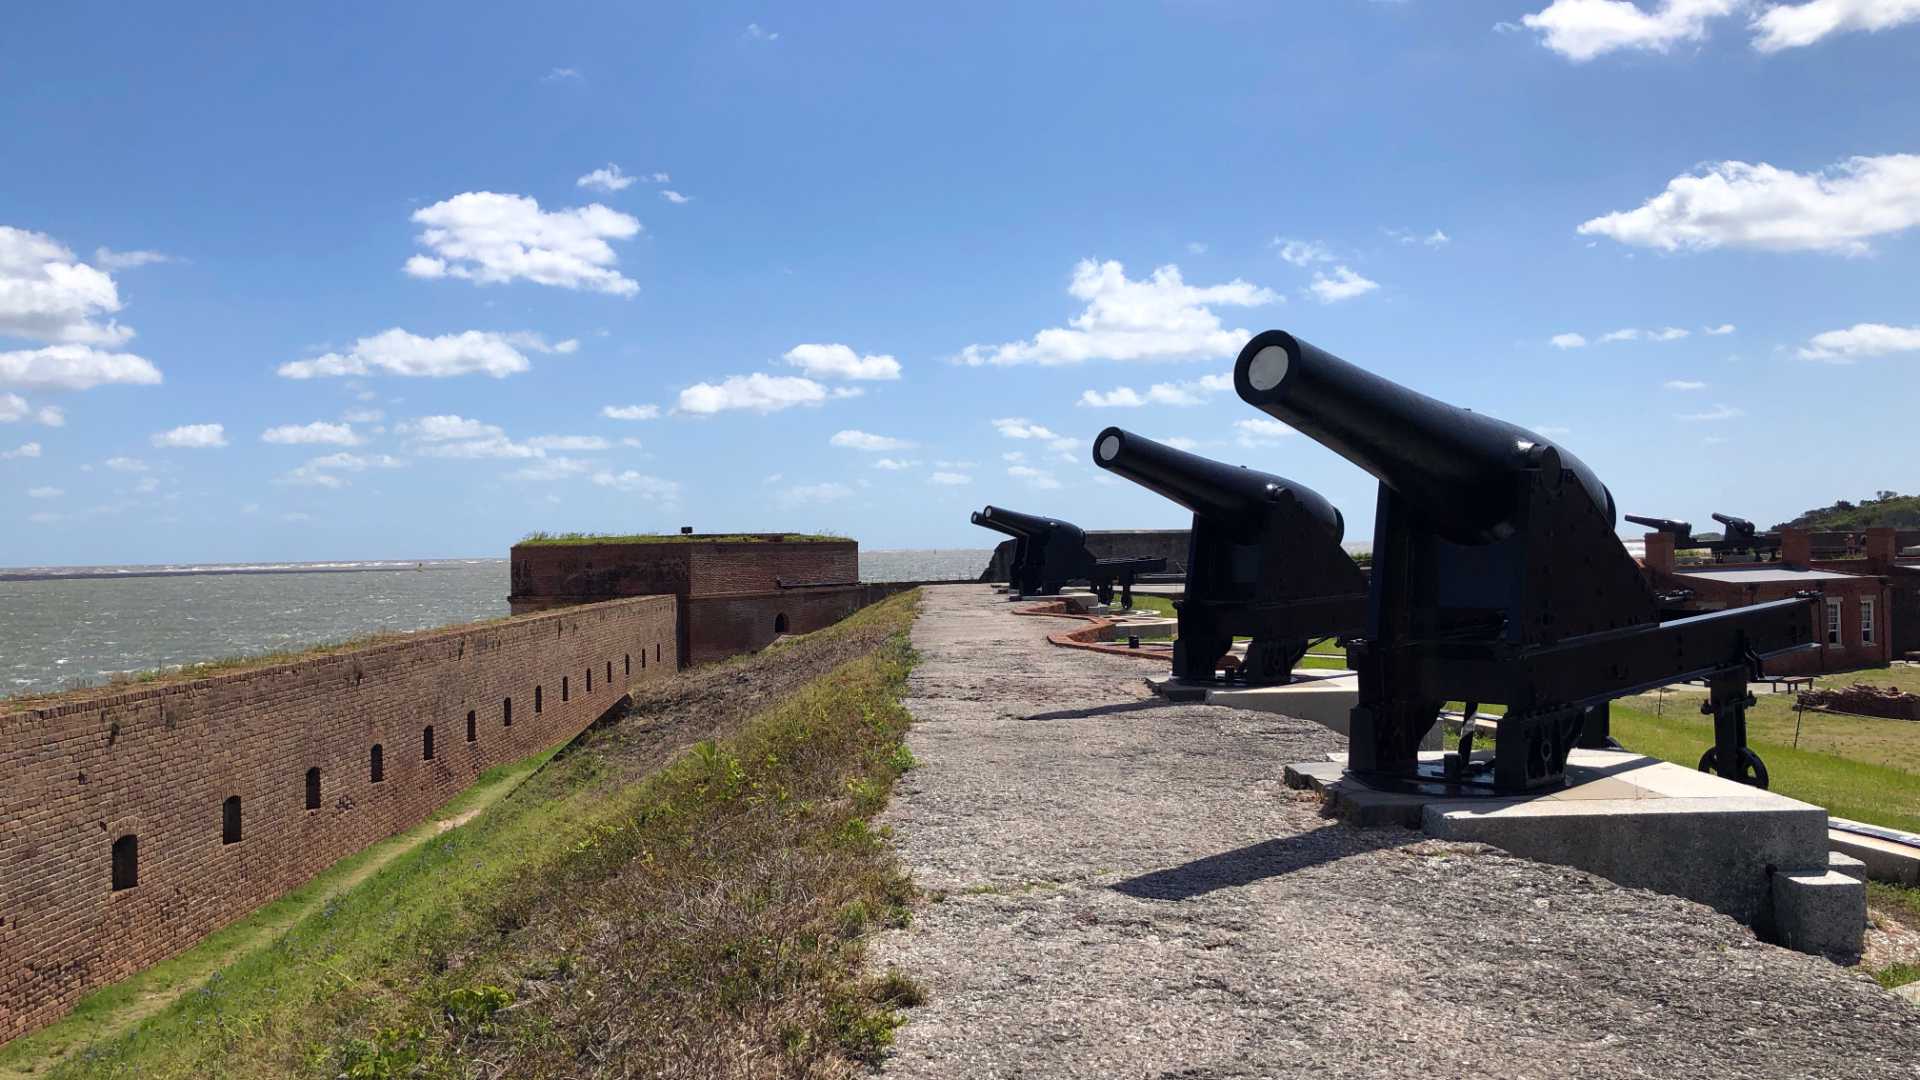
[(708, 919), (1321, 654)]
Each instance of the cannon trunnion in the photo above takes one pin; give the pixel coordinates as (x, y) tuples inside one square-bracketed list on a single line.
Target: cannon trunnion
[(1263, 561), (1497, 578), (1049, 553)]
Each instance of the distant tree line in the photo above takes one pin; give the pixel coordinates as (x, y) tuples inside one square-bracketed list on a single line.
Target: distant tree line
[(1885, 508)]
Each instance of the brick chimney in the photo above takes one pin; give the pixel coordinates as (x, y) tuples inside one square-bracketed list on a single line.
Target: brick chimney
[(1883, 546), (1796, 547), (1659, 557)]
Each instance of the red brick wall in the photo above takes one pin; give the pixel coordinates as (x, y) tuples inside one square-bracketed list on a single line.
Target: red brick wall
[(158, 762), (730, 625), (581, 573), (718, 569)]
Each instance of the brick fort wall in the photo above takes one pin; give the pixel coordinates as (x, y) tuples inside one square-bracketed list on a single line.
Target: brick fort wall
[(159, 764)]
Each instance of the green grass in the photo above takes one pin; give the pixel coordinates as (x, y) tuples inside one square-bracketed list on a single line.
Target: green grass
[(546, 539), (1324, 654), (713, 912)]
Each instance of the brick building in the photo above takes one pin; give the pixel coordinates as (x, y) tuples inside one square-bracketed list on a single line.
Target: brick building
[(1858, 609), (736, 593), (135, 820)]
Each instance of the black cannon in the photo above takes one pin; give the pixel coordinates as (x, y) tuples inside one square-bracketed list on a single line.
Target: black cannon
[(1741, 537), (1497, 578), (1263, 560), (1049, 553), (1681, 531)]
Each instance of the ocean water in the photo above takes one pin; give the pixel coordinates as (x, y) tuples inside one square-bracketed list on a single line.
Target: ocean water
[(63, 627)]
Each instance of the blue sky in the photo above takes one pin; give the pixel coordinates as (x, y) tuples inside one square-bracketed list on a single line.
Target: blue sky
[(443, 274)]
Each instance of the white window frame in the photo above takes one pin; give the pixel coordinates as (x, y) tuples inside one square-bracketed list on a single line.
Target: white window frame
[(1866, 620), (1834, 636)]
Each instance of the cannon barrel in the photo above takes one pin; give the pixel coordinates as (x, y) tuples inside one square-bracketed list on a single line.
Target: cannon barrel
[(1735, 525), (1233, 495), (986, 522), (1019, 524), (1665, 525), (1457, 467)]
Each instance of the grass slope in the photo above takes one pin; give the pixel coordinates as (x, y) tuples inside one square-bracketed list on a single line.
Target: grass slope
[(707, 919)]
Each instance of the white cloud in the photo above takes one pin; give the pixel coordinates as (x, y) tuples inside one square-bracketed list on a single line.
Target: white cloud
[(1192, 392), (1260, 431), (609, 178), (73, 367), (574, 443), (446, 428), (363, 416), (1017, 427), (1624, 334), (1343, 285), (759, 33), (1861, 339), (192, 437), (129, 260), (1684, 384), (24, 450), (561, 74), (1567, 341), (1789, 26), (1718, 412), (1160, 318), (490, 446), (860, 440), (397, 352), (553, 468), (1671, 333), (1014, 455), (1038, 479), (630, 412), (125, 464), (894, 464), (814, 493), (759, 392), (44, 493), (949, 479), (318, 432), (325, 471), (1434, 239), (489, 238), (14, 408), (628, 440), (675, 197), (1301, 252), (1181, 442), (1583, 29), (1723, 328), (1734, 204), (1195, 247), (661, 178), (48, 295), (841, 362)]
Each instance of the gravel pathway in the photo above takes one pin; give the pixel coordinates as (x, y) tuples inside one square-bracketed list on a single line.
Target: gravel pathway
[(1126, 889)]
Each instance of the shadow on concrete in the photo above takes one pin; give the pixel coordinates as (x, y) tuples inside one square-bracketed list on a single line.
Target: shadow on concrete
[(1101, 710), (1258, 862)]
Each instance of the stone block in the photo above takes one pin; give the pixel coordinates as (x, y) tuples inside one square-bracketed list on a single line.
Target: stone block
[(1819, 911), (1842, 863)]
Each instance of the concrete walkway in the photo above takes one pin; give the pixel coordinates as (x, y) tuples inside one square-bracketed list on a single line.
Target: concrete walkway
[(1129, 891)]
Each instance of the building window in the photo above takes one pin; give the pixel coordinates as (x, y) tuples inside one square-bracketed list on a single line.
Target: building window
[(506, 711), (230, 820), (563, 689), (473, 728), (426, 744), (656, 650), (780, 623), (1833, 620), (126, 862), (376, 764), (629, 662), (313, 789), (643, 658), (536, 701), (589, 680), (609, 671), (1866, 620)]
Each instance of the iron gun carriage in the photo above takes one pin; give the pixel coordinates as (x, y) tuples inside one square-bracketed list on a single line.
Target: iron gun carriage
[(1497, 578), (1048, 554)]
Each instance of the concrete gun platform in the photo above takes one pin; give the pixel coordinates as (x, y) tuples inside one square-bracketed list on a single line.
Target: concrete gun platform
[(1325, 696), (1757, 856)]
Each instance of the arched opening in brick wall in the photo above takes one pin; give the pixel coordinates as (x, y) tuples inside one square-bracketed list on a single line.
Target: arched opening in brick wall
[(126, 862), (426, 744), (780, 623), (313, 789), (377, 764), (230, 820), (473, 727)]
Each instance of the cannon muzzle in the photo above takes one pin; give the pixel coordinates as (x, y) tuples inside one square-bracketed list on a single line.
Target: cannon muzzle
[(1459, 468), (1234, 496), (986, 522)]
